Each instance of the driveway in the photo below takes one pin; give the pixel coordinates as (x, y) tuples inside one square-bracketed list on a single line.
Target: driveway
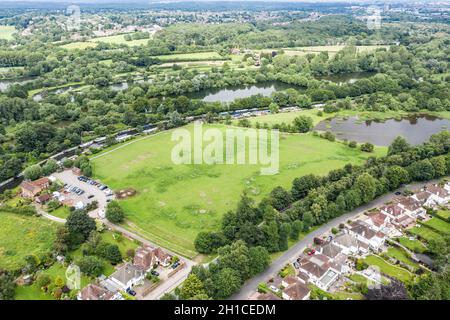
[(292, 253)]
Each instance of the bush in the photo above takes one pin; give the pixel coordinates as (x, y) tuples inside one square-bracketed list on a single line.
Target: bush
[(352, 144), (114, 212), (367, 147), (90, 265), (334, 231)]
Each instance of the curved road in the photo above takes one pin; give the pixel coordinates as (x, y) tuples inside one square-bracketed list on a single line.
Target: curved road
[(292, 253)]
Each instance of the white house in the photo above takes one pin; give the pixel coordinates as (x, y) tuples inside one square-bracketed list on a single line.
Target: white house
[(361, 231), (439, 195), (320, 270), (412, 207), (349, 245), (128, 276)]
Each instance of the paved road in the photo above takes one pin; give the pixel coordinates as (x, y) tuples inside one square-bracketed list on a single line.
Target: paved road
[(292, 253)]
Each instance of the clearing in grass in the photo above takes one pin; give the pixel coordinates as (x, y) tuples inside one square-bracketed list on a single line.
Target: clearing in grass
[(23, 235), (175, 202)]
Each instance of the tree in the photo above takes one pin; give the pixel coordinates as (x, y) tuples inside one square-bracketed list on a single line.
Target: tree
[(7, 285), (396, 176), (109, 252), (50, 167), (397, 146), (114, 212), (395, 290), (259, 259), (432, 286), (235, 256), (208, 242), (79, 223), (191, 287), (32, 173), (90, 265), (303, 124), (367, 147), (301, 186), (421, 170), (366, 185), (280, 198), (226, 282)]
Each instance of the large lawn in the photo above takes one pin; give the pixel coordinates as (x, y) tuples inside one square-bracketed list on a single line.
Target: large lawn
[(6, 32), (389, 269), (401, 255), (438, 225), (413, 245), (175, 202), (21, 236), (79, 45), (425, 233)]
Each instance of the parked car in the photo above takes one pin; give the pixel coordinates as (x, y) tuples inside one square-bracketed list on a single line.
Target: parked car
[(131, 292), (311, 252), (398, 193), (274, 289), (296, 265), (90, 196), (176, 264), (155, 273)]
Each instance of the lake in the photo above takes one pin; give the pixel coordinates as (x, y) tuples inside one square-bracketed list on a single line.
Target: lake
[(5, 84), (346, 77), (415, 129), (229, 94)]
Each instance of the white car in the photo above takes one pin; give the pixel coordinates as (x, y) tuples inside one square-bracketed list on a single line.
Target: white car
[(274, 289)]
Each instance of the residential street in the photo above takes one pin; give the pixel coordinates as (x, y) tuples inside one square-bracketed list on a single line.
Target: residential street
[(292, 253)]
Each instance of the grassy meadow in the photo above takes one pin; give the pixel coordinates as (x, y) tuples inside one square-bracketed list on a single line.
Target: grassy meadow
[(120, 39), (6, 32), (21, 236), (175, 202)]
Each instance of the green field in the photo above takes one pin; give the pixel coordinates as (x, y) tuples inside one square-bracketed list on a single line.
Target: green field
[(79, 45), (287, 117), (438, 225), (21, 236), (120, 39), (332, 50), (6, 32), (196, 56), (413, 245), (175, 202), (389, 269), (62, 212)]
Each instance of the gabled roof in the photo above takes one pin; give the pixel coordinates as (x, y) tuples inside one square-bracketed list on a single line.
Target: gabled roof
[(362, 229), (377, 218), (331, 250), (27, 185), (161, 255), (316, 264), (393, 209), (410, 203), (268, 296), (41, 182), (297, 291), (346, 240), (95, 292), (126, 273), (436, 190), (423, 196)]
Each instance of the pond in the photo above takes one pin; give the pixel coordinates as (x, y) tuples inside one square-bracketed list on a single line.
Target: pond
[(415, 129), (229, 94), (347, 77), (5, 84)]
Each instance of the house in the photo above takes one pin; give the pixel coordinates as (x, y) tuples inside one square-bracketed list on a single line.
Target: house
[(425, 198), (144, 258), (296, 291), (30, 189), (95, 292), (162, 257), (128, 276), (349, 245), (43, 199), (264, 296), (319, 269), (412, 206), (362, 232), (393, 210), (377, 220), (331, 250), (404, 221), (439, 195)]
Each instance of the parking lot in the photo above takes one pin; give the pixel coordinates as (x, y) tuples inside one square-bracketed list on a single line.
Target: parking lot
[(85, 191)]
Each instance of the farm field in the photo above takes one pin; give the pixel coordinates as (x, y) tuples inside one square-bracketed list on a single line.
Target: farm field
[(389, 269), (120, 39), (196, 56), (175, 202), (332, 50), (21, 236), (438, 225), (79, 45), (6, 32)]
